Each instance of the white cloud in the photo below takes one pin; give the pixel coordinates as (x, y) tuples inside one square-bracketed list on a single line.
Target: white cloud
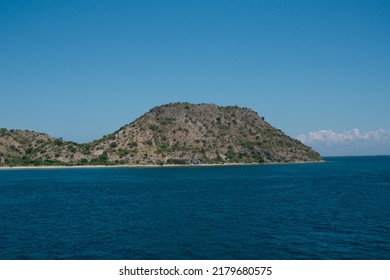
[(330, 137)]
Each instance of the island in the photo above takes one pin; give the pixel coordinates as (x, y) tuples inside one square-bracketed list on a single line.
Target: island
[(171, 134)]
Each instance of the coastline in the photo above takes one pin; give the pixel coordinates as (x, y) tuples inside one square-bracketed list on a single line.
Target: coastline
[(148, 165)]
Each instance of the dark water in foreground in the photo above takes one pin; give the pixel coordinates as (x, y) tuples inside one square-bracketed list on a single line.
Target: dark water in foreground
[(334, 210)]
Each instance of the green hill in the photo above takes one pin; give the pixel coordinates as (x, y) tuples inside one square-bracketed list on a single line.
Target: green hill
[(177, 133)]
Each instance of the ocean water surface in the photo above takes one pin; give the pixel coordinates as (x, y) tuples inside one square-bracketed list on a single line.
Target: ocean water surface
[(339, 209)]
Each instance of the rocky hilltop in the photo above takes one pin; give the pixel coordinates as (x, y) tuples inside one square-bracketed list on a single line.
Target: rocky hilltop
[(176, 133)]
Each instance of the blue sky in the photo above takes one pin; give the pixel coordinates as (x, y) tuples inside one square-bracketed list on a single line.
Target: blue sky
[(82, 69)]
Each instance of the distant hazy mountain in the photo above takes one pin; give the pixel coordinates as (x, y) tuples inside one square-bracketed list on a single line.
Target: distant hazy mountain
[(177, 133)]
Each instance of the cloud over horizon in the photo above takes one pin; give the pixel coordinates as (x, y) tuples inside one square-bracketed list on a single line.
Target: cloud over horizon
[(349, 142), (330, 137)]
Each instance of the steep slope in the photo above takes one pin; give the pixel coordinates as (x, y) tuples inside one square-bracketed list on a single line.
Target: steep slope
[(184, 133), (177, 133)]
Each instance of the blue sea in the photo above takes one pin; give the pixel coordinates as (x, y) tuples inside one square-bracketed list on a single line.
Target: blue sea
[(339, 209)]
